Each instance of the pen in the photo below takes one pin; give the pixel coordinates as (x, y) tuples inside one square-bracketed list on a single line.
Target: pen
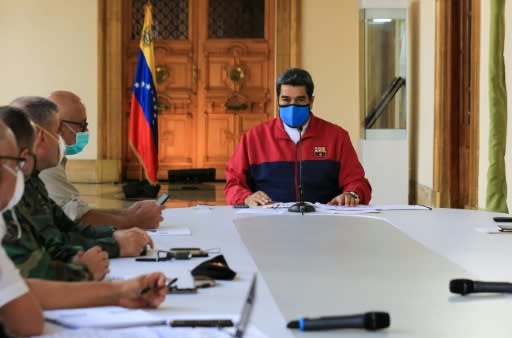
[(169, 284), (146, 259)]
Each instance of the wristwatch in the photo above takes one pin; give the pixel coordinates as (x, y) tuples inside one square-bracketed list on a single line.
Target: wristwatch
[(353, 194)]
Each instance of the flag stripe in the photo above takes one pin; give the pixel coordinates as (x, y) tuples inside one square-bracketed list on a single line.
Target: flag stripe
[(143, 131)]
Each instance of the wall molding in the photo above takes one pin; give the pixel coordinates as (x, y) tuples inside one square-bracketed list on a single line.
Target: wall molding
[(93, 171)]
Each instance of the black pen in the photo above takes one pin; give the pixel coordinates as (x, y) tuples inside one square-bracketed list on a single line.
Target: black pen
[(169, 284), (146, 259)]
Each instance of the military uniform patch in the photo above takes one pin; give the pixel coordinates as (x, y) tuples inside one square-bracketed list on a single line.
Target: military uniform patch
[(320, 151)]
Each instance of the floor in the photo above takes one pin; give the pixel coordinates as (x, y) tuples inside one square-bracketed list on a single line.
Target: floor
[(109, 195)]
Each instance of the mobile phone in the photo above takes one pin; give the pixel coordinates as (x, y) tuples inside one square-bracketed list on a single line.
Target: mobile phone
[(203, 281), (240, 206), (505, 227), (195, 252), (177, 290), (502, 219), (202, 323), (162, 199)]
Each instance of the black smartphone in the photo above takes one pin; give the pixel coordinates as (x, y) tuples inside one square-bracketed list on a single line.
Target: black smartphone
[(195, 252), (176, 290), (240, 206), (502, 219), (202, 323), (162, 199)]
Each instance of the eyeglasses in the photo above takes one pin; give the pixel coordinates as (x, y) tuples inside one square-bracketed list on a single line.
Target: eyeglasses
[(20, 162), (83, 125)]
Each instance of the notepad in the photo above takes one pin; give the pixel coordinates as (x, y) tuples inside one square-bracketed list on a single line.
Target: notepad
[(106, 317)]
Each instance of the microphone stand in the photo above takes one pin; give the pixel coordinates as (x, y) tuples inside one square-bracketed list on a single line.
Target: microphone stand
[(301, 206)]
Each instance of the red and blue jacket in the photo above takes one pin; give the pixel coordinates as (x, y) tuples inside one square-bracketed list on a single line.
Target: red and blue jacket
[(267, 159)]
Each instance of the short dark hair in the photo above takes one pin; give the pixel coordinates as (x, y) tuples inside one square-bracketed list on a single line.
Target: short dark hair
[(19, 122), (39, 109), (295, 77)]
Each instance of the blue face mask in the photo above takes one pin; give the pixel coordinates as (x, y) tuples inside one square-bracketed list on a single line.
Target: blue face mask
[(82, 139), (294, 116)]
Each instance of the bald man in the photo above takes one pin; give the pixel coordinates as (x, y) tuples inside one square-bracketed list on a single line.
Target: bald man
[(22, 301), (75, 133)]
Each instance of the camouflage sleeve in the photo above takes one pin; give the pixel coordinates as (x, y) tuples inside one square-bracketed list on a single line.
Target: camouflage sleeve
[(51, 222), (25, 249)]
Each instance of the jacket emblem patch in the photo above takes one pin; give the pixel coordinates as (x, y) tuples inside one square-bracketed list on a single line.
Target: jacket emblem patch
[(320, 151)]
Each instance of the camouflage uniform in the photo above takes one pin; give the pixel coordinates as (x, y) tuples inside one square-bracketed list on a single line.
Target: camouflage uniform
[(50, 222), (33, 257)]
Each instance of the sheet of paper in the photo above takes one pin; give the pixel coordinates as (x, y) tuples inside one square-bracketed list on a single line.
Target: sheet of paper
[(177, 231), (400, 207), (154, 332), (262, 211), (342, 209), (102, 317)]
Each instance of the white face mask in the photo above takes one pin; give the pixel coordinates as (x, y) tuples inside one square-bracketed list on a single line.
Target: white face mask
[(18, 190), (16, 197)]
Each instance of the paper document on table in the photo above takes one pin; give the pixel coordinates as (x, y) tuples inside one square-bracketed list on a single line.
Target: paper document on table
[(180, 231), (400, 207), (102, 317), (342, 209), (154, 332), (262, 211)]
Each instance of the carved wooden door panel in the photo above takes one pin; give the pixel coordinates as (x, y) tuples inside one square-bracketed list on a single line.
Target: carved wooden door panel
[(215, 77)]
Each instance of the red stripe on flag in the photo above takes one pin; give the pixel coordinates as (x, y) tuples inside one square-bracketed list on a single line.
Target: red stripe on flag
[(141, 138)]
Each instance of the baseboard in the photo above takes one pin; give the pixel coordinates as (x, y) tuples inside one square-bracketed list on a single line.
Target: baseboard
[(93, 171)]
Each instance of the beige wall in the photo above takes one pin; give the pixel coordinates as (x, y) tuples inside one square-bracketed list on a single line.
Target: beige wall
[(330, 52), (48, 45)]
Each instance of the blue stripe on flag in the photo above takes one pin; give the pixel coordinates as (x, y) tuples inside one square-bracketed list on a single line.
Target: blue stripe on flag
[(145, 92)]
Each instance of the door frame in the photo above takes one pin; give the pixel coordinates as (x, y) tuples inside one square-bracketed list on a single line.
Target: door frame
[(450, 100), (112, 42)]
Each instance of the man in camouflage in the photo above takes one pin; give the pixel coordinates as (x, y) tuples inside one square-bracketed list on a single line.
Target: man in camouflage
[(33, 255), (62, 238)]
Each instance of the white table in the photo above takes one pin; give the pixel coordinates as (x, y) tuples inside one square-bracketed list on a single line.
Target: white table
[(311, 265)]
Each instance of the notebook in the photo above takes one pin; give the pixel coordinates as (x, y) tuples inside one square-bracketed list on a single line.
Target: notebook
[(106, 317)]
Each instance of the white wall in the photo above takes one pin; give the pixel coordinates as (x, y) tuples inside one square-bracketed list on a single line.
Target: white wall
[(49, 45)]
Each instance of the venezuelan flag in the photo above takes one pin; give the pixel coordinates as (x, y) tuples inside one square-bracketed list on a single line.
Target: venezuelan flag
[(143, 131)]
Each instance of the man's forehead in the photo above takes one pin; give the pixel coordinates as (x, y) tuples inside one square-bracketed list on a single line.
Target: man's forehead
[(293, 91)]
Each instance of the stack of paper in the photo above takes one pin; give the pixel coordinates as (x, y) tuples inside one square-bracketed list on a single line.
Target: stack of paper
[(102, 317)]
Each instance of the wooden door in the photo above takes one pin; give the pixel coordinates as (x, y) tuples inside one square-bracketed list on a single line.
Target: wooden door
[(215, 77)]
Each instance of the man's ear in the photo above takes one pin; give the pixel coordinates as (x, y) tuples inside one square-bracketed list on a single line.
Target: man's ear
[(311, 100)]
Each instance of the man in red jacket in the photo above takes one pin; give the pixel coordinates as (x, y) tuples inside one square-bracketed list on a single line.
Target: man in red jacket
[(265, 164)]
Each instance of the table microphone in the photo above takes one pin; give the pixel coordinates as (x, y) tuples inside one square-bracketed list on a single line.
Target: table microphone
[(466, 286), (301, 206), (369, 321)]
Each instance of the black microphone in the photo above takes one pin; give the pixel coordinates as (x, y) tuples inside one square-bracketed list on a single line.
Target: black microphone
[(369, 321), (466, 286), (301, 206)]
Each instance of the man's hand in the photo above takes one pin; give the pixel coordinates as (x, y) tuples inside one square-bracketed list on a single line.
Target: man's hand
[(132, 241), (258, 198), (345, 199), (96, 260), (143, 291), (145, 214)]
